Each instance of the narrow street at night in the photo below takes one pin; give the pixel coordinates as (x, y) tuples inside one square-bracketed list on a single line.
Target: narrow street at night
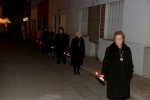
[(27, 74)]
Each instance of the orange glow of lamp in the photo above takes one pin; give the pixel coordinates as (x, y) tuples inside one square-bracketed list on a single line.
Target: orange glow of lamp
[(4, 21)]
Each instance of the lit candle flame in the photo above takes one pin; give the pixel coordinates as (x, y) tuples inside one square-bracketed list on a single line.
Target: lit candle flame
[(37, 40), (96, 73), (40, 42), (99, 76), (64, 53)]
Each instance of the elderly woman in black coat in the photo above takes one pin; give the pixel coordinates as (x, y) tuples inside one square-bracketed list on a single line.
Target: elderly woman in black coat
[(77, 52), (117, 68)]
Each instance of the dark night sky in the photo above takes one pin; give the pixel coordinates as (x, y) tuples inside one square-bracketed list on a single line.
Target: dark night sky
[(13, 7)]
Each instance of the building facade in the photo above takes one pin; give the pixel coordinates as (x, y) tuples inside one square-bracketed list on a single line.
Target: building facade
[(99, 19)]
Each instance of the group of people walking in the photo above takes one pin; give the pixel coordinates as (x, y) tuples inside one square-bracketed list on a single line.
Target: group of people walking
[(117, 66), (59, 43), (48, 42)]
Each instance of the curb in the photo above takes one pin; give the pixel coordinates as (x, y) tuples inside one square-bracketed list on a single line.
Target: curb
[(134, 96)]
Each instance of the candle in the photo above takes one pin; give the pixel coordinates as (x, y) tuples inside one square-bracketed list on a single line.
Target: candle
[(68, 55), (99, 76)]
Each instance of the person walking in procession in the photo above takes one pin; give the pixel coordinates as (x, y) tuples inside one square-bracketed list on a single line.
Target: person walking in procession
[(77, 52), (62, 41), (44, 41), (51, 42), (117, 68)]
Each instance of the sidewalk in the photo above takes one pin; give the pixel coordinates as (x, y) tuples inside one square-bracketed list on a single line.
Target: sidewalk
[(140, 86)]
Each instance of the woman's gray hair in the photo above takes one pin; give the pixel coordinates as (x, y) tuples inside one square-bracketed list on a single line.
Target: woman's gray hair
[(78, 32), (118, 33)]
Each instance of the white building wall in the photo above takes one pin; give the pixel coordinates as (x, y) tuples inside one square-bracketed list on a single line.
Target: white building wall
[(135, 27), (135, 22), (58, 7)]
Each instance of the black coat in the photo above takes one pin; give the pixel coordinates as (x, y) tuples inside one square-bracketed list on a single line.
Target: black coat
[(77, 52), (44, 37), (117, 73), (62, 41), (50, 39)]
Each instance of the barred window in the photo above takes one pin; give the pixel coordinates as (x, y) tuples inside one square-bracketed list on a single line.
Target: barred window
[(113, 18), (83, 21)]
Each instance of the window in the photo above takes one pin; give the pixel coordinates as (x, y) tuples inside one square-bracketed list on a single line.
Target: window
[(33, 24), (53, 23), (63, 21), (113, 18), (44, 23), (39, 24), (83, 21)]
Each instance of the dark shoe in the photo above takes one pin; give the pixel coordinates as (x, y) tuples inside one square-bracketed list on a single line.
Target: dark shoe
[(64, 62), (75, 73), (58, 62), (78, 73)]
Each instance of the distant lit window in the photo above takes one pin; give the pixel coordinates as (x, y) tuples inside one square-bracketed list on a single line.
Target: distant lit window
[(83, 21), (113, 18)]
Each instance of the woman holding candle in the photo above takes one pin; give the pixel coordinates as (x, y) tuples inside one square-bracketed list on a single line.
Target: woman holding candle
[(77, 51), (117, 68)]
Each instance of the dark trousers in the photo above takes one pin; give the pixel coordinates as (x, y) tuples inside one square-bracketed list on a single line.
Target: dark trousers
[(76, 69), (60, 55), (44, 49)]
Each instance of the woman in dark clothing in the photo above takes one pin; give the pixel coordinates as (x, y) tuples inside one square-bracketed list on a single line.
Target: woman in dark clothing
[(62, 41), (51, 42), (77, 52), (44, 41), (117, 68)]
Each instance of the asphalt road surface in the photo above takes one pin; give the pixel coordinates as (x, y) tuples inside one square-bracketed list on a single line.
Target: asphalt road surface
[(26, 74)]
